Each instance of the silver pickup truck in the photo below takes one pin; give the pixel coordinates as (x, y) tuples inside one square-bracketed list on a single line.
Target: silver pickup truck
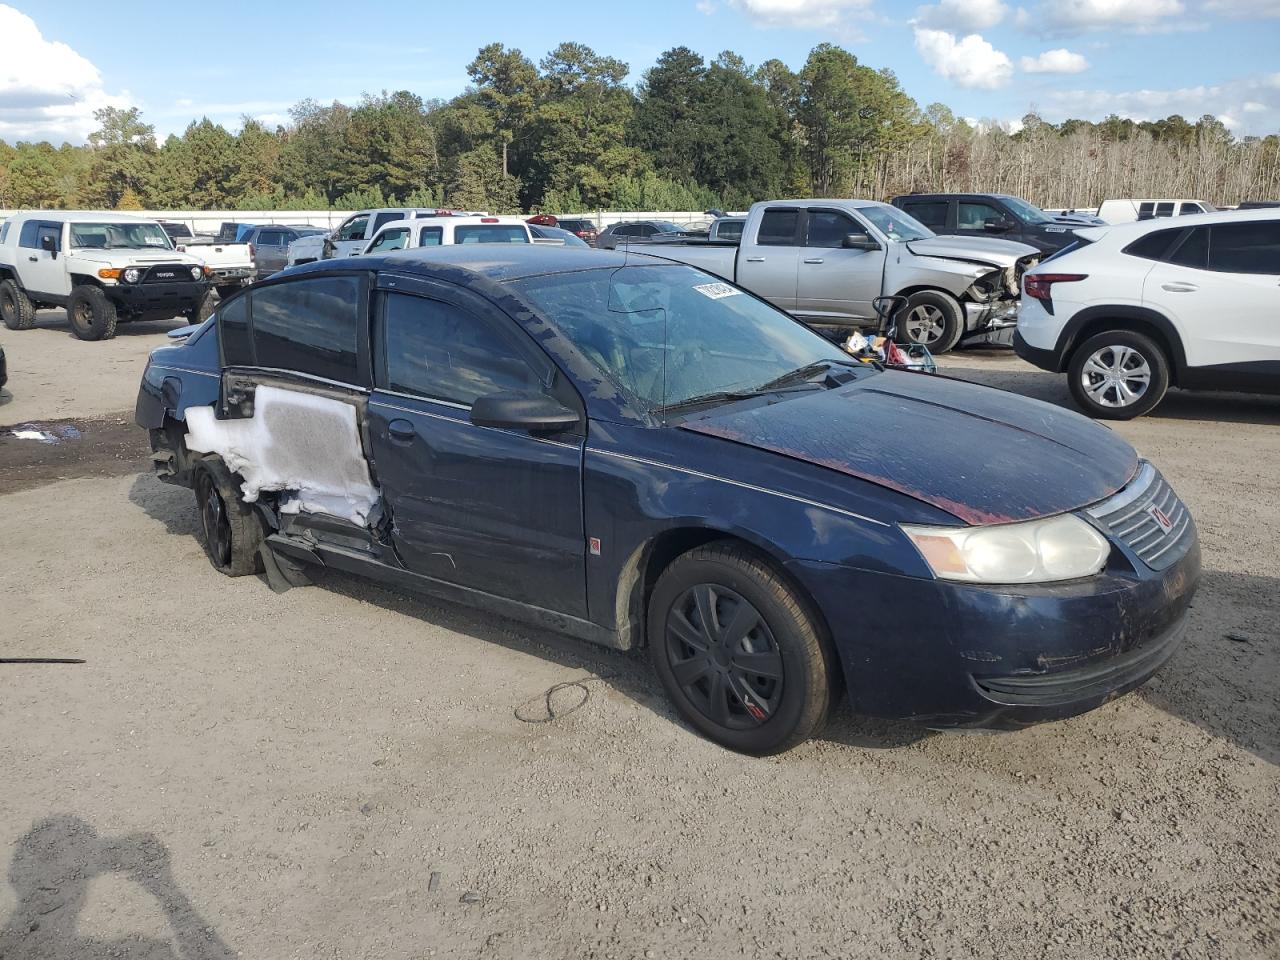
[(826, 261)]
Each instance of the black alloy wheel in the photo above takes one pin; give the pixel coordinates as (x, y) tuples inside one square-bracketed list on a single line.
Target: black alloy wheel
[(213, 520)]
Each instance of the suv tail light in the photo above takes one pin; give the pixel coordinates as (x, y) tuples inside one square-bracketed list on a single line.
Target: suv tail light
[(1040, 285), (253, 252)]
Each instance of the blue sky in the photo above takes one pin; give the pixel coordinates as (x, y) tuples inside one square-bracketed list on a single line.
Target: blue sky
[(986, 59)]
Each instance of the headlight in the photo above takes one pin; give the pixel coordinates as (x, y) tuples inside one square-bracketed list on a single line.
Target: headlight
[(132, 275), (197, 273), (1038, 551)]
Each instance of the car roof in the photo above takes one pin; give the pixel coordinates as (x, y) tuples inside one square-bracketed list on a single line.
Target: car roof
[(80, 216), (502, 221), (1138, 228), (496, 262)]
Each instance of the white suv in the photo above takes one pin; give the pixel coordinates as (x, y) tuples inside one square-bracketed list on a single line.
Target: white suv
[(1132, 309), (407, 234)]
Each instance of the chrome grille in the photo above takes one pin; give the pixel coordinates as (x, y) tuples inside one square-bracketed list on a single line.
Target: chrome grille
[(1130, 518)]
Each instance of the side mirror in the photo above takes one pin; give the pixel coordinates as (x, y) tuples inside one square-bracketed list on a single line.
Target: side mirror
[(997, 225), (534, 412), (50, 244), (859, 241)]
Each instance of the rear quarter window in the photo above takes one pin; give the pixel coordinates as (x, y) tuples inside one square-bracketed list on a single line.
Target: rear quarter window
[(309, 326), (233, 333), (1154, 245)]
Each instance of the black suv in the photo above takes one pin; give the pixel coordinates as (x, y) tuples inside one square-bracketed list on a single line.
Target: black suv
[(990, 214)]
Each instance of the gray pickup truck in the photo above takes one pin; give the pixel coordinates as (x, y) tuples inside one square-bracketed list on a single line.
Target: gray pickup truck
[(826, 262)]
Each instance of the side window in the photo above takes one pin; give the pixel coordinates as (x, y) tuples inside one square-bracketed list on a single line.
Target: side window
[(30, 235), (1164, 209), (778, 228), (1154, 245), (271, 238), (932, 213), (827, 228), (1193, 251), (1145, 210), (729, 231), (233, 333), (382, 219), (4, 231), (973, 216), (627, 230), (309, 326), (490, 234), (430, 236), (388, 240), (1252, 247), (438, 350), (1186, 208), (353, 229)]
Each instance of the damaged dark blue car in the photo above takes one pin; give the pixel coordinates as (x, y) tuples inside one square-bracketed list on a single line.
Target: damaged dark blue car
[(642, 455)]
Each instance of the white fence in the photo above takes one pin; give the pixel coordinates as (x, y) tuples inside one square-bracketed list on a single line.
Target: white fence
[(208, 221)]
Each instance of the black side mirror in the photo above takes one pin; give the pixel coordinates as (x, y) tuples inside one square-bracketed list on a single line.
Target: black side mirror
[(534, 412), (997, 225), (50, 244), (859, 241)]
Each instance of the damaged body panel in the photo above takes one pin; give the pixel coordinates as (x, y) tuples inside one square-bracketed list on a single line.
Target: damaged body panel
[(511, 431)]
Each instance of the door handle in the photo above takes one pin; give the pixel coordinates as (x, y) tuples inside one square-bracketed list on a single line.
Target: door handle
[(816, 260), (1179, 287), (401, 430), (755, 259), (34, 259)]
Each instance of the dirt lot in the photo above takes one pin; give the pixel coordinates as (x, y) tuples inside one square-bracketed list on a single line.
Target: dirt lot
[(341, 772)]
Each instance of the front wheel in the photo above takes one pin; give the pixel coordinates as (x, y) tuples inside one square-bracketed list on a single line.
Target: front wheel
[(201, 311), (932, 319), (92, 314), (737, 651), (1118, 375)]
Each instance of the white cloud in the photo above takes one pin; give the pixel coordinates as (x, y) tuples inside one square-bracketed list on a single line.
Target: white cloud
[(705, 7), (1055, 61), (967, 62), (1249, 106), (962, 16), (1245, 9), (1054, 17), (47, 90), (803, 14)]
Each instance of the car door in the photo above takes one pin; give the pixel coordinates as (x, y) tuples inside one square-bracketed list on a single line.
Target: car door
[(835, 283), (269, 252), (769, 263), (350, 238), (40, 270), (1221, 286), (491, 509)]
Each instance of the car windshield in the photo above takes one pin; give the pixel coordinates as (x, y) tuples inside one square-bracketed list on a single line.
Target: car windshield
[(669, 335), (666, 226), (895, 224), (1026, 212), (119, 236)]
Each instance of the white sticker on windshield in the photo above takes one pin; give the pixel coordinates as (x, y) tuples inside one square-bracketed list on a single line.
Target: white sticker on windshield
[(717, 291)]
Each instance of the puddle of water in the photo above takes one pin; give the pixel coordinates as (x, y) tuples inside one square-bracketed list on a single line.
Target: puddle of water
[(34, 431)]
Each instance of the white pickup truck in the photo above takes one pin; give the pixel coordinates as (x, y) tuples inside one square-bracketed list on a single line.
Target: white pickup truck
[(443, 231), (104, 268), (231, 265), (827, 261), (354, 233)]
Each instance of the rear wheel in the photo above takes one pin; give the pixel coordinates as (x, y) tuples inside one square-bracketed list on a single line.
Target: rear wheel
[(1118, 375), (738, 653), (230, 528), (16, 310), (933, 319), (92, 314)]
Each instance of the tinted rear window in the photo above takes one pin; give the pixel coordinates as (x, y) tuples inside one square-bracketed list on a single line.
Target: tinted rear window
[(1193, 251), (491, 233), (1245, 247), (309, 326), (778, 228), (932, 213), (1154, 245)]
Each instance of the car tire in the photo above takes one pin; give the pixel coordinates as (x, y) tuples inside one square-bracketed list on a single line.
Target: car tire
[(932, 319), (201, 311), (230, 529), (16, 309), (1118, 375), (761, 692), (91, 314)]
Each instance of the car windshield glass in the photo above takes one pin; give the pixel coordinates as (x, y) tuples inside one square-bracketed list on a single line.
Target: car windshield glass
[(115, 236), (666, 226), (895, 224), (668, 334), (1026, 212)]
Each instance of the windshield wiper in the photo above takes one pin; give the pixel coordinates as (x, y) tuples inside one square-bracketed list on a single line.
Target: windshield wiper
[(717, 396), (806, 373)]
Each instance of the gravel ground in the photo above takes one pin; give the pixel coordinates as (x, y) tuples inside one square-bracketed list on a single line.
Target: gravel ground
[(341, 772)]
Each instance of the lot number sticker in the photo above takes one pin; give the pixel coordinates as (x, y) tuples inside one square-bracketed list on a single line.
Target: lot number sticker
[(717, 291)]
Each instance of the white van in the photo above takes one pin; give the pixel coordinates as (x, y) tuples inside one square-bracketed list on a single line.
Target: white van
[(1127, 211), (442, 231)]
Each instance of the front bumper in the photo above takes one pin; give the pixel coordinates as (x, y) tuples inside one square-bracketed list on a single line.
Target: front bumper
[(170, 298), (223, 274), (948, 654)]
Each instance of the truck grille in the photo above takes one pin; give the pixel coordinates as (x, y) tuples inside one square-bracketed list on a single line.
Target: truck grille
[(168, 273), (1148, 518)]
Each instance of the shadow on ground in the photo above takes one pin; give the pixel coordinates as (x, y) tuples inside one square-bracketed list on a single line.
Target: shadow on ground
[(51, 870), (57, 320)]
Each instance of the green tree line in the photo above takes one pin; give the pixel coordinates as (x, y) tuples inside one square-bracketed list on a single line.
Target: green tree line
[(568, 134)]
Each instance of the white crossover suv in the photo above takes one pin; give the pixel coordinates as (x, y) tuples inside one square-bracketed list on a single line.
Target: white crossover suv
[(1132, 309)]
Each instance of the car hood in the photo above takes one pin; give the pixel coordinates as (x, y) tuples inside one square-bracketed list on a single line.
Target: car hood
[(133, 258), (980, 454), (985, 250)]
